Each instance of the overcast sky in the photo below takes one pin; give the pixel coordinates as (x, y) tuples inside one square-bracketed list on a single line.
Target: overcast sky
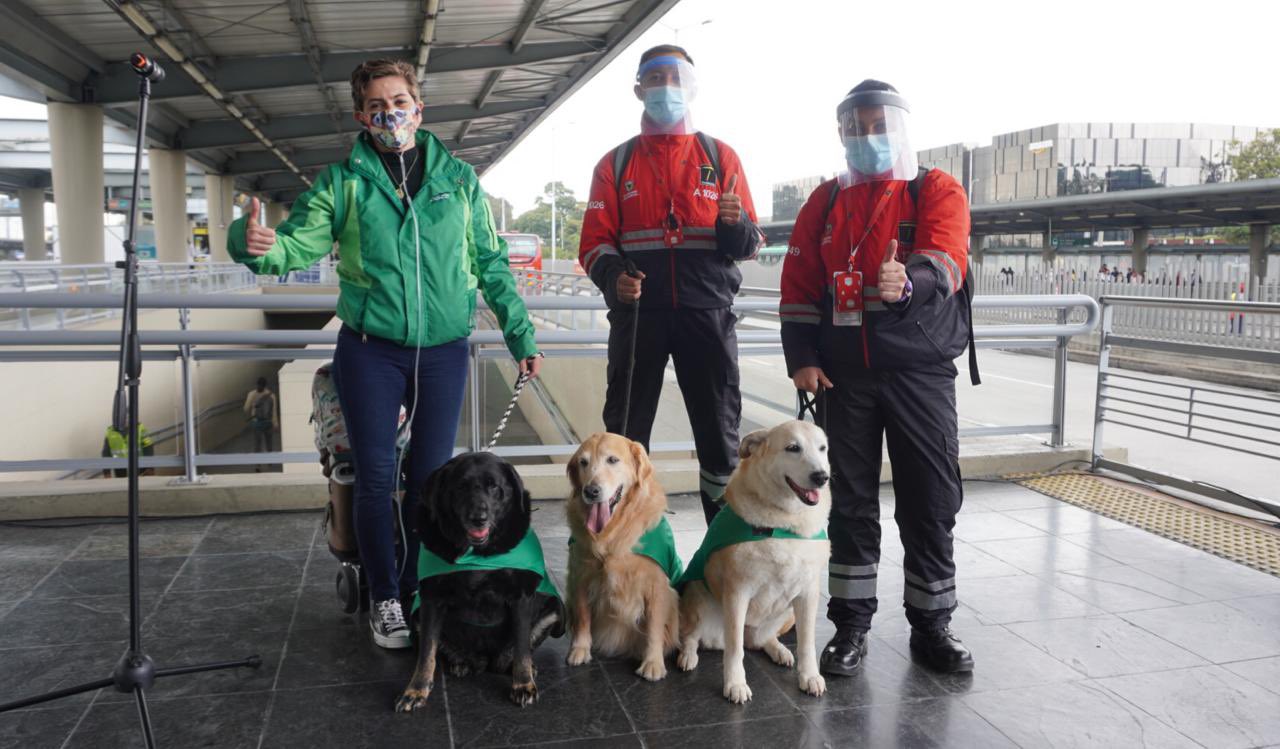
[(770, 75)]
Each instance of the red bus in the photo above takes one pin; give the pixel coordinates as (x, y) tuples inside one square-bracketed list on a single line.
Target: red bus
[(523, 250)]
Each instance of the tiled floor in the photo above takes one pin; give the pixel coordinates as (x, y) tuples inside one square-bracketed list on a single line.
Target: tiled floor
[(1087, 633)]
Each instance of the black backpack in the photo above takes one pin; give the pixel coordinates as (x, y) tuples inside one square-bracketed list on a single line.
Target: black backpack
[(892, 350)]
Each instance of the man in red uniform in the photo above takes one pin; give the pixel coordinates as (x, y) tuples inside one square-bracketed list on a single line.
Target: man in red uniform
[(674, 202), (874, 309)]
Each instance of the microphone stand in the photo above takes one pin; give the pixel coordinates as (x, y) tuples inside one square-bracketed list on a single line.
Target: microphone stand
[(135, 672)]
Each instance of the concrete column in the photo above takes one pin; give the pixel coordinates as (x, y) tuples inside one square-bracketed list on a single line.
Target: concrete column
[(1257, 257), (975, 248), (1141, 237), (275, 214), (168, 175), (1047, 253), (75, 143), (31, 203), (219, 190)]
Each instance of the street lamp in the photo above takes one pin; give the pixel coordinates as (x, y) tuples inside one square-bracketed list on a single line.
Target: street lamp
[(676, 30)]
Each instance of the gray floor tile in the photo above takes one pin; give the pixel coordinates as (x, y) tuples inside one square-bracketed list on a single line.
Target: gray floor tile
[(1215, 579), (359, 716), (1135, 546), (213, 722), (66, 621), (1209, 704), (1120, 588), (115, 544), (329, 656), (1003, 661), (319, 608), (235, 571), (696, 697), (32, 671), (1044, 554), (1265, 672), (223, 612), (945, 722), (283, 532), (1105, 646), (1021, 598), (973, 563), (886, 677), (620, 741), (782, 731), (1062, 519), (1078, 715), (24, 541), (18, 576), (1216, 630), (40, 729), (76, 578), (988, 526), (999, 497)]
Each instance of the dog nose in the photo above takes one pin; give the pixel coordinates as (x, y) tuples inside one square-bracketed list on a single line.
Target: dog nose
[(819, 478), (591, 492)]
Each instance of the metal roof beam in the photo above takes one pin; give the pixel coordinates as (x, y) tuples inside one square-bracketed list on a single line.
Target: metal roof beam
[(239, 75), (259, 162), (526, 24), (224, 133)]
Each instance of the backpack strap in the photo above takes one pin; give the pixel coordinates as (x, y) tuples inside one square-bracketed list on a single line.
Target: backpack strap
[(712, 149), (622, 157), (339, 199)]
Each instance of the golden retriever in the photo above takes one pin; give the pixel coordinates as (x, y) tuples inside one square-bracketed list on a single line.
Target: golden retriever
[(621, 604), (751, 587)]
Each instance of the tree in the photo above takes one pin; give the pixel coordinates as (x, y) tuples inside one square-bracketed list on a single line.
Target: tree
[(500, 207), (569, 212), (1258, 159)]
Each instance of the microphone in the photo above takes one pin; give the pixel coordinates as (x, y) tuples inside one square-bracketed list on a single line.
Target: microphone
[(146, 67)]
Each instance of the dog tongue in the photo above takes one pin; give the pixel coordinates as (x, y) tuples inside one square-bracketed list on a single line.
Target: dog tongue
[(811, 496), (598, 516)]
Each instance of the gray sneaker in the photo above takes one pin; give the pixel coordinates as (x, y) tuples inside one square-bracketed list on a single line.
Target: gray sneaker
[(387, 622)]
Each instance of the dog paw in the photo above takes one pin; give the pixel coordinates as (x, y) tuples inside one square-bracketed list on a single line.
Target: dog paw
[(412, 699), (524, 695), (459, 669), (779, 654), (737, 693), (579, 656), (652, 670), (688, 659), (813, 684)]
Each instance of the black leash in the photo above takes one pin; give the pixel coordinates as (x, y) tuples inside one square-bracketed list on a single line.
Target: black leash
[(634, 272), (809, 403)]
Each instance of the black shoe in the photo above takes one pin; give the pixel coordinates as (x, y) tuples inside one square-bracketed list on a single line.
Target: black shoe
[(941, 651), (843, 655)]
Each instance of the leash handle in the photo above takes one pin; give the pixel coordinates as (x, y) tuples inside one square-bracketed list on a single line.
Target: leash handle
[(807, 403)]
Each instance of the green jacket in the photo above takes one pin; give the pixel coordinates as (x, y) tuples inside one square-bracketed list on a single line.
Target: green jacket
[(355, 204), (526, 555), (659, 544), (727, 529)]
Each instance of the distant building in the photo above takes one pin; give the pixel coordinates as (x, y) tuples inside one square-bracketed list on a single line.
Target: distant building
[(789, 196)]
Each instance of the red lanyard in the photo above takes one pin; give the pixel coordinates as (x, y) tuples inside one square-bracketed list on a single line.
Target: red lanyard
[(871, 223), (670, 223)]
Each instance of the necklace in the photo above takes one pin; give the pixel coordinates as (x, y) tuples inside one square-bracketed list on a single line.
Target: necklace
[(404, 178)]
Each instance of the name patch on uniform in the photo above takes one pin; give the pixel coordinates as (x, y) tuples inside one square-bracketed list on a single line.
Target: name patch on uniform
[(441, 196), (629, 190)]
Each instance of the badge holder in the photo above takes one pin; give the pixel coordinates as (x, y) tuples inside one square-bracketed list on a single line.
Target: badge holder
[(848, 306)]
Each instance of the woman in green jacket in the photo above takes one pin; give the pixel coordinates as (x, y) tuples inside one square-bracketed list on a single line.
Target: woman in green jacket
[(415, 241)]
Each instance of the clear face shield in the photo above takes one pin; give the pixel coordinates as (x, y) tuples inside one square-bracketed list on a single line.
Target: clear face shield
[(873, 129), (667, 85)]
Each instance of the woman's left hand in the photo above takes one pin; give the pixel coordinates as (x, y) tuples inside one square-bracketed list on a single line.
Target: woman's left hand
[(531, 366)]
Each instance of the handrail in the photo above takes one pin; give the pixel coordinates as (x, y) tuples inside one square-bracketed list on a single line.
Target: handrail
[(484, 344)]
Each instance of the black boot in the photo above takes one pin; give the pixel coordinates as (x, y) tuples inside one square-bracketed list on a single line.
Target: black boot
[(941, 651), (843, 655)]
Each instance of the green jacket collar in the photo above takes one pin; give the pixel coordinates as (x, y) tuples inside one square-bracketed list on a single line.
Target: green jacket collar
[(727, 529), (442, 172)]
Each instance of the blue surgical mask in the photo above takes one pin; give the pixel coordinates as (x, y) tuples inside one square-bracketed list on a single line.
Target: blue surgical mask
[(664, 104), (871, 154)]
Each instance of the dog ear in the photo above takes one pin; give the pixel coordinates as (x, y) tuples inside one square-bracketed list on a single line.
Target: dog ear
[(752, 443), (519, 494), (571, 468), (643, 467), (425, 516)]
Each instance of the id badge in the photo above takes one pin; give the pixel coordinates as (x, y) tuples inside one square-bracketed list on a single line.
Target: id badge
[(672, 237), (847, 309)]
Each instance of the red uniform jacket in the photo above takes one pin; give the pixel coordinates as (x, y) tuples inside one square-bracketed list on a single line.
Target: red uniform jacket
[(668, 176), (932, 243)]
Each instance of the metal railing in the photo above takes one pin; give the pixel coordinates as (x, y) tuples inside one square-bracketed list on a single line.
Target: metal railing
[(1241, 421), (188, 346)]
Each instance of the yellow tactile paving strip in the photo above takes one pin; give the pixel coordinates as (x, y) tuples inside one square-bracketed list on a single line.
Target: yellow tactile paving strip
[(1241, 540)]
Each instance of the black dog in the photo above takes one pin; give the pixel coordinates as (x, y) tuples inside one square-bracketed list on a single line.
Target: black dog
[(479, 619)]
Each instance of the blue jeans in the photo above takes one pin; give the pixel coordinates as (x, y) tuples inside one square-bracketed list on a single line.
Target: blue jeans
[(374, 377)]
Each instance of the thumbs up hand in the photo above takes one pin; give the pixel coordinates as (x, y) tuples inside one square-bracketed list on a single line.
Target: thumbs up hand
[(893, 275), (258, 238), (730, 205)]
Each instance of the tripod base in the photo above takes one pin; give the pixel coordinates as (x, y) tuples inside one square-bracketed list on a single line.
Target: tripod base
[(134, 673)]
